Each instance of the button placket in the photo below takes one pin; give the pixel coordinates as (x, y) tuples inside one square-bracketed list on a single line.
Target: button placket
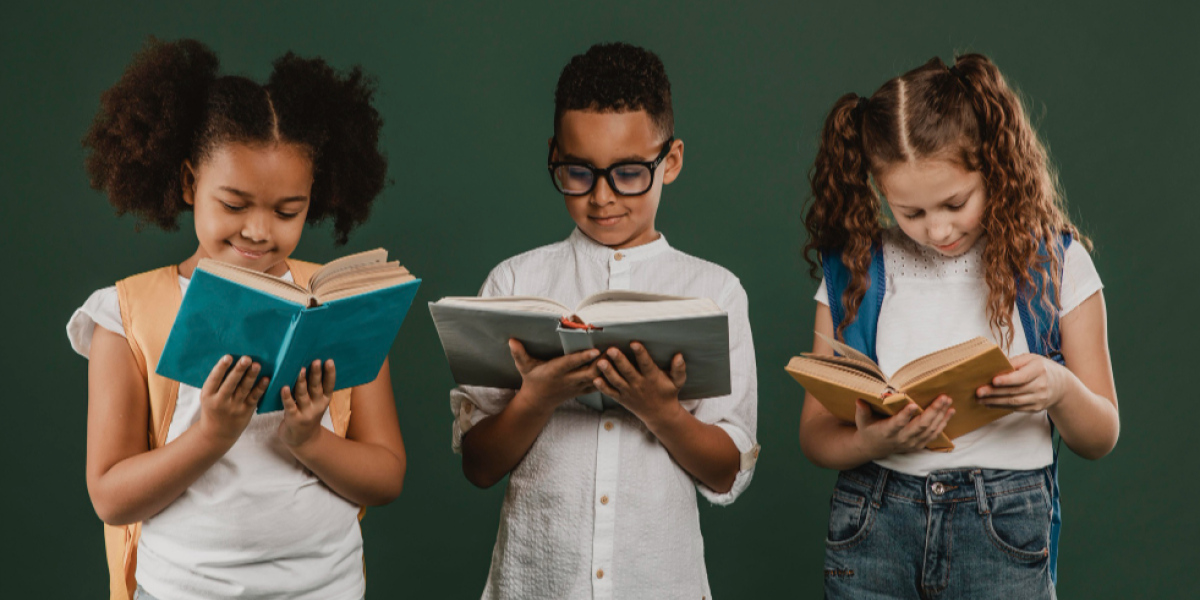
[(608, 436)]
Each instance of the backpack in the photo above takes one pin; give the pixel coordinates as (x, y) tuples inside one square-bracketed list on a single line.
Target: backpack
[(149, 302), (1040, 325)]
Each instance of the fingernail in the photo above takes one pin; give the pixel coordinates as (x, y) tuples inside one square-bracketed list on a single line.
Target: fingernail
[(593, 353), (602, 364)]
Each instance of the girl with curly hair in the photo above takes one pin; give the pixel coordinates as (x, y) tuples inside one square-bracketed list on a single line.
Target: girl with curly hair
[(981, 246), (201, 497)]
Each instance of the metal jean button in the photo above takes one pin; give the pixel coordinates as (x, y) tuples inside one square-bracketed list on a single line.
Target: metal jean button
[(938, 488)]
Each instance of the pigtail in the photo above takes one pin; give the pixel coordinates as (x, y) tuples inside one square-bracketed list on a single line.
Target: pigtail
[(1020, 180), (843, 214), (332, 115), (147, 126)]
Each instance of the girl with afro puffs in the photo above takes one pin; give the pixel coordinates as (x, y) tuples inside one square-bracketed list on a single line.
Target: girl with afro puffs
[(201, 497)]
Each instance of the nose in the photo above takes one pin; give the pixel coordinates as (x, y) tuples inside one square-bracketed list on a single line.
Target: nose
[(940, 231), (602, 193), (257, 227)]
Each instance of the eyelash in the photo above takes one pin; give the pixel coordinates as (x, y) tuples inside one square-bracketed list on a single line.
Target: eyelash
[(238, 209)]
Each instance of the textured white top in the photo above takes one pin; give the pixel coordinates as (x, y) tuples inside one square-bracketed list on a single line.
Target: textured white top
[(933, 302), (256, 525), (598, 508)]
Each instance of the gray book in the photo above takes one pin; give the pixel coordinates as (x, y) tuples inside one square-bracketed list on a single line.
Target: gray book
[(475, 333)]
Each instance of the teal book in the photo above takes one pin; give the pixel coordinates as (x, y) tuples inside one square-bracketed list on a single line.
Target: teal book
[(350, 313)]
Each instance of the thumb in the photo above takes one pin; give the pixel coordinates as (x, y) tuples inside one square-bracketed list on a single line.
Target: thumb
[(863, 416), (678, 371), (520, 357)]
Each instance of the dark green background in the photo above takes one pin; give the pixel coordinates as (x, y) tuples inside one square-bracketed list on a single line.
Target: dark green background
[(467, 93)]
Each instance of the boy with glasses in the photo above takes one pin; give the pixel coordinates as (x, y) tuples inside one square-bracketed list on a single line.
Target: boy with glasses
[(603, 504)]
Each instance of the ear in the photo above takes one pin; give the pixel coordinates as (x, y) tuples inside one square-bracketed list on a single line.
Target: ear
[(673, 162), (550, 146), (187, 180)]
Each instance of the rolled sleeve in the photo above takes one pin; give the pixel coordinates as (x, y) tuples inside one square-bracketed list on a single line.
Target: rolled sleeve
[(737, 413)]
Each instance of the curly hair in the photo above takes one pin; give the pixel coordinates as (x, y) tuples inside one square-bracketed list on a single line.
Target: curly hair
[(968, 115), (616, 77), (172, 105)]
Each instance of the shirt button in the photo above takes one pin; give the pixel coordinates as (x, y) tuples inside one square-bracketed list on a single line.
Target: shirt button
[(938, 488), (604, 500), (608, 425), (618, 256), (599, 573)]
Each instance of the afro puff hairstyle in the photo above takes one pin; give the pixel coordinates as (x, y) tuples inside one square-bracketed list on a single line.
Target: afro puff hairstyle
[(616, 77), (171, 105)]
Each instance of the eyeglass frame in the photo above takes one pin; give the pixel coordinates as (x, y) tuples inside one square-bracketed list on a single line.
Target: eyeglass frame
[(606, 171)]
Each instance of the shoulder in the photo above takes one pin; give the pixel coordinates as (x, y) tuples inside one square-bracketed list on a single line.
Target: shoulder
[(102, 308), (703, 274), (502, 278)]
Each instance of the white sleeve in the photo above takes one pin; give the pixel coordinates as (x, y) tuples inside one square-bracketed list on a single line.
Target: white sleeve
[(737, 413), (1080, 279), (472, 404), (102, 308), (822, 294)]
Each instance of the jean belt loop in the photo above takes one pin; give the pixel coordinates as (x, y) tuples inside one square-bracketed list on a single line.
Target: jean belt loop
[(980, 492), (880, 484)]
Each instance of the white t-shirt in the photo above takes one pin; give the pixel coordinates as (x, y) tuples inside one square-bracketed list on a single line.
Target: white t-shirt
[(256, 525), (598, 509), (933, 302)]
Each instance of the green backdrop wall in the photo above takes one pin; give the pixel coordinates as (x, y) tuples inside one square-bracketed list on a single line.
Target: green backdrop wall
[(467, 88)]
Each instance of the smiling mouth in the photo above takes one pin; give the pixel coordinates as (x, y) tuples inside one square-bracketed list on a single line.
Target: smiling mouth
[(606, 221), (949, 247), (251, 254)]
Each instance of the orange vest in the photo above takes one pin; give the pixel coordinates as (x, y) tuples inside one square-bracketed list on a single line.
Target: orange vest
[(149, 303)]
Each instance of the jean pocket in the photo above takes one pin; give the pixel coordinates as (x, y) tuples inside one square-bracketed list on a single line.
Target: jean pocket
[(849, 514), (1018, 524)]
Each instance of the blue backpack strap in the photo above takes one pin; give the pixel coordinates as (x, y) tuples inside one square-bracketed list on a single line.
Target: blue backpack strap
[(1043, 336), (860, 334)]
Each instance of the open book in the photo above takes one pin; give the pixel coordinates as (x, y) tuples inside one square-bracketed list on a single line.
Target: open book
[(837, 381), (475, 333), (350, 312)]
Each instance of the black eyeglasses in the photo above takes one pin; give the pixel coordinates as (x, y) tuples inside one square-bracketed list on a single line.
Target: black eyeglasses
[(624, 178)]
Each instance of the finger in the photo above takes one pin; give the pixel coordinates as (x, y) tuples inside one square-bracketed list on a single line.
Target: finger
[(235, 376), (624, 367), (644, 362), (315, 387), (301, 390), (901, 419), (1024, 374), (330, 377), (1014, 402), (247, 382), (921, 425), (988, 392), (217, 374), (863, 415), (256, 394), (611, 376), (520, 358), (678, 371), (289, 402), (606, 389), (575, 360), (936, 429)]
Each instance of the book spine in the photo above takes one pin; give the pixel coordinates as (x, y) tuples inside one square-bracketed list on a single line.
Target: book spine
[(272, 400)]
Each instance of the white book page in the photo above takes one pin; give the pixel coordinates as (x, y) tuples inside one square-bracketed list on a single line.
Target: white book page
[(531, 304), (625, 309)]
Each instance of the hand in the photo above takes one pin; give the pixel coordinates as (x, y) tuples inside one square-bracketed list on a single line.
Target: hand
[(647, 391), (229, 398), (1038, 383), (548, 383), (302, 412), (906, 431)]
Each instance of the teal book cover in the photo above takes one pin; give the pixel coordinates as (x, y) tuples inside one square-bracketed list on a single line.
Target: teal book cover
[(220, 317)]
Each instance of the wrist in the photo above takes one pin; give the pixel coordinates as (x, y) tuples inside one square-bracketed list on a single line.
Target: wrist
[(304, 447), (216, 437), (528, 401), (663, 416), (862, 448)]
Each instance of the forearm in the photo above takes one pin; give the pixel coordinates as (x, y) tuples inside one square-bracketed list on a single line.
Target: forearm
[(361, 472), (142, 485), (495, 445), (1088, 422), (705, 451), (831, 443)]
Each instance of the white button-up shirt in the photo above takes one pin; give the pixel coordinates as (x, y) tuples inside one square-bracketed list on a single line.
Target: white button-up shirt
[(598, 508)]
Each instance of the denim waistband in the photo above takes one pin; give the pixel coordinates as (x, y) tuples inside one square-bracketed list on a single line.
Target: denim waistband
[(950, 485)]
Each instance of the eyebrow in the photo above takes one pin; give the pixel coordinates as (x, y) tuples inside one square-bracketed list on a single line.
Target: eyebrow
[(247, 195), (632, 158), (947, 201)]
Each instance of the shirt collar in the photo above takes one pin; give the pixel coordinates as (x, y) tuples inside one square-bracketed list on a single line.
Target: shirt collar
[(590, 248)]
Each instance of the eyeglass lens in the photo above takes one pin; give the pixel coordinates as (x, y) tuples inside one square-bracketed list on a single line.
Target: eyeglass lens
[(626, 179)]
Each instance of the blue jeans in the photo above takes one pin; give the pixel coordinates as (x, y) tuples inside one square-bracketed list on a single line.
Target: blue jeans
[(959, 533)]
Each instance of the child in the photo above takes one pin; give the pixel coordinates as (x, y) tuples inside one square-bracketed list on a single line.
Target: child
[(983, 248), (217, 501), (603, 504)]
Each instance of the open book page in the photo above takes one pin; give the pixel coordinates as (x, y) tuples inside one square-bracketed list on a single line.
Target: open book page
[(845, 361), (530, 304), (346, 263), (361, 281), (623, 306), (256, 280), (852, 378), (932, 363), (847, 351)]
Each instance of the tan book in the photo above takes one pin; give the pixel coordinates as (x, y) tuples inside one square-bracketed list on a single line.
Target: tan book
[(837, 381)]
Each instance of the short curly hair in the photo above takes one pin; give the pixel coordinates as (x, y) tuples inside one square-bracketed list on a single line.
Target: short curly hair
[(171, 105), (616, 77)]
